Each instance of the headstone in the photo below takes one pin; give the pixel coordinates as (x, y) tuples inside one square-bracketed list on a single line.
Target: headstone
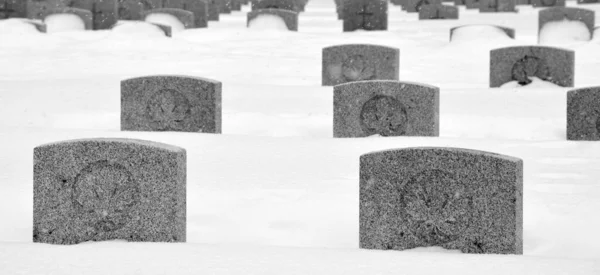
[(38, 9), (109, 189), (339, 8), (497, 6), (454, 198), (13, 9), (171, 103), (472, 4), (225, 6), (85, 15), (524, 2), (587, 2), (572, 14), (291, 5), (583, 114), (132, 9), (105, 12), (554, 65), (213, 10), (185, 17), (415, 5), (289, 17), (197, 7), (368, 15), (459, 2), (508, 31), (385, 108), (358, 62), (548, 3), (427, 12), (236, 5)]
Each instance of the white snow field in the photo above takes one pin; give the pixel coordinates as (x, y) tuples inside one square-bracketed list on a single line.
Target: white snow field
[(275, 193)]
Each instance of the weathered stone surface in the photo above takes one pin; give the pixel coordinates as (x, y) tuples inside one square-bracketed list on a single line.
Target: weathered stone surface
[(587, 2), (171, 103), (185, 17), (454, 198), (583, 114), (472, 4), (38, 9), (548, 3), (104, 12), (105, 189), (357, 62), (555, 65), (497, 6), (587, 17), (291, 5), (132, 9), (385, 108), (85, 15), (523, 2), (225, 6), (236, 5), (197, 7), (214, 9), (371, 15), (428, 12), (289, 17), (415, 5), (508, 31), (13, 9)]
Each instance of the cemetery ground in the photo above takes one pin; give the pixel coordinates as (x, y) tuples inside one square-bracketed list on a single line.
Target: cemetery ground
[(275, 193)]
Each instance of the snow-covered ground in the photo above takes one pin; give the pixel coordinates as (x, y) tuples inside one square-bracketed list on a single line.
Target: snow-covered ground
[(275, 193)]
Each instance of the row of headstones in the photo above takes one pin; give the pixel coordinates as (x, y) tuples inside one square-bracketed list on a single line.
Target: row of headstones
[(135, 190), (104, 14)]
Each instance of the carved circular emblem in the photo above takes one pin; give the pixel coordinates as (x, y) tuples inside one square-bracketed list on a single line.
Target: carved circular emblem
[(104, 194), (383, 115), (436, 206), (356, 68), (530, 66), (169, 109)]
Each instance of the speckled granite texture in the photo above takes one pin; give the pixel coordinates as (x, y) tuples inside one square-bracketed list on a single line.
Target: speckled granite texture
[(428, 12), (214, 8), (197, 7), (358, 62), (509, 32), (132, 9), (454, 198), (171, 103), (12, 8), (548, 3), (472, 4), (583, 114), (415, 5), (587, 17), (105, 13), (291, 5), (289, 17), (370, 15), (518, 63), (386, 108), (105, 189), (236, 5), (497, 6), (185, 17)]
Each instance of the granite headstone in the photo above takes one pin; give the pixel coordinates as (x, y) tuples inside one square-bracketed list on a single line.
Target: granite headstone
[(357, 62), (508, 31), (415, 5), (289, 17), (585, 16), (198, 7), (213, 10), (427, 12), (548, 3), (472, 4), (497, 6), (132, 9), (291, 5), (370, 15), (583, 114), (13, 9), (105, 12)]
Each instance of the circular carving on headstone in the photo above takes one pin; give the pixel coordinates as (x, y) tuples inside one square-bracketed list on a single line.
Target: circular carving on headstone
[(383, 115), (104, 194), (436, 206), (530, 66), (169, 109), (356, 68)]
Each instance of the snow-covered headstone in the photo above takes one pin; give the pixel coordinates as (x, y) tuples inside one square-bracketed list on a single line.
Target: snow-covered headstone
[(583, 114), (291, 5), (198, 7), (357, 62), (566, 14), (171, 103), (427, 12), (214, 8), (289, 17), (453, 198), (132, 9), (186, 18), (84, 15), (370, 15), (548, 3), (109, 189), (497, 6), (105, 12), (476, 27), (415, 5), (385, 108), (555, 65)]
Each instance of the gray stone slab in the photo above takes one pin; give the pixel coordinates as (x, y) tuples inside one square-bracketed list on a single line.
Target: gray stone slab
[(104, 12), (236, 5), (225, 6), (171, 103), (497, 6), (132, 9), (38, 9), (385, 108), (357, 62), (185, 17), (291, 5), (428, 12), (415, 5), (585, 16), (459, 2), (548, 3), (13, 9), (472, 4), (108, 189), (370, 15), (213, 10), (554, 65), (583, 114), (289, 17), (508, 31), (197, 7), (523, 2), (457, 199)]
